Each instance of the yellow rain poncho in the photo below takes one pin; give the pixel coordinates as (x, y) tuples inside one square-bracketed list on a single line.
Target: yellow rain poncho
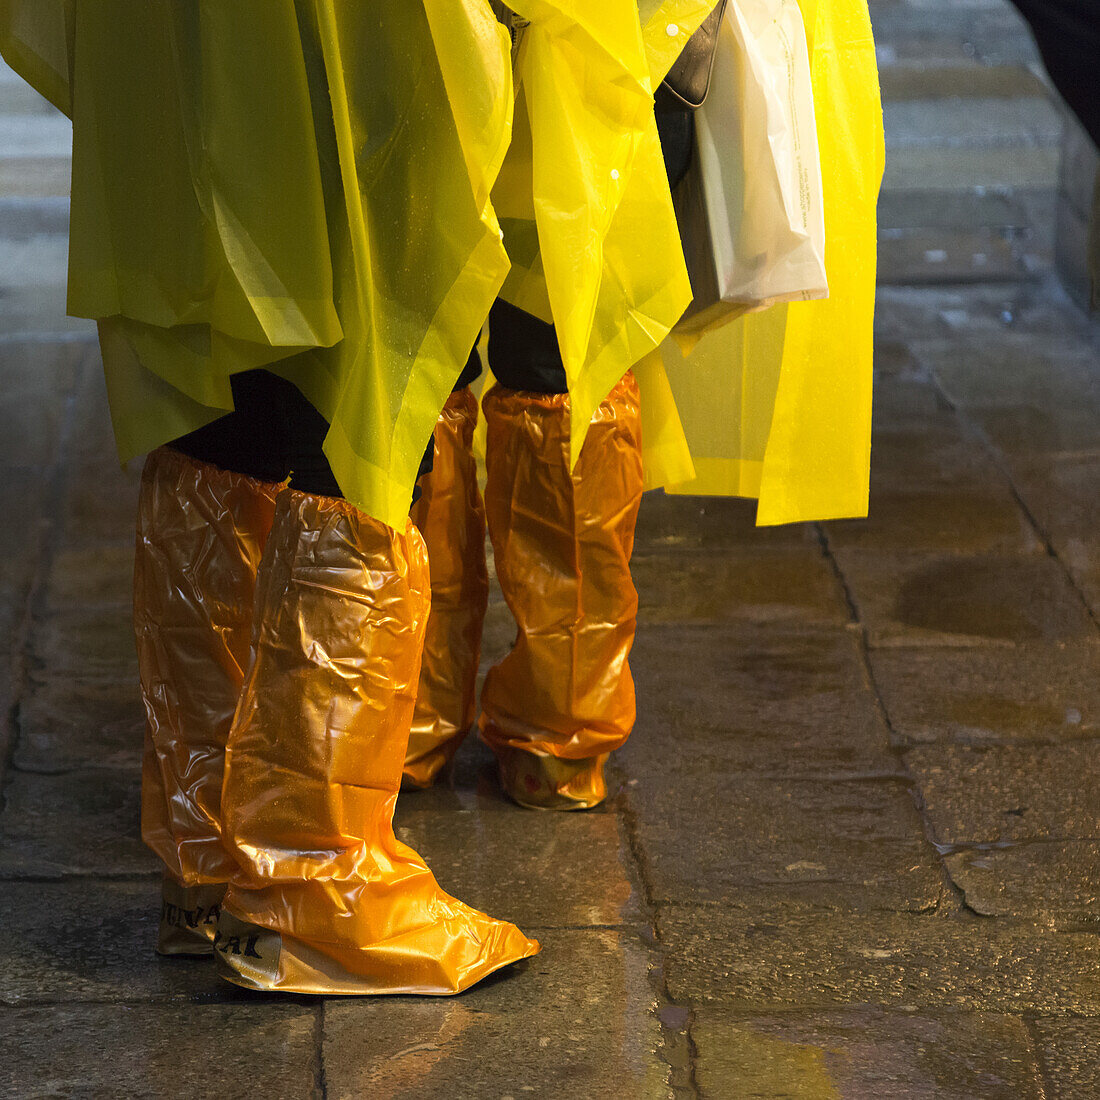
[(305, 185), (777, 405), (337, 191)]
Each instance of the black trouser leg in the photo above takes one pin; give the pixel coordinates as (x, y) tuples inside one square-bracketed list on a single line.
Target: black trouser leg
[(273, 434)]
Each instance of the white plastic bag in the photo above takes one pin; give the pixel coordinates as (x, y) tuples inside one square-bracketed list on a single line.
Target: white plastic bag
[(751, 209)]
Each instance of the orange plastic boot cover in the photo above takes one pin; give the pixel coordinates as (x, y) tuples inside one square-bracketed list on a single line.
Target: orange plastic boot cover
[(200, 535), (451, 517), (563, 698), (325, 899)]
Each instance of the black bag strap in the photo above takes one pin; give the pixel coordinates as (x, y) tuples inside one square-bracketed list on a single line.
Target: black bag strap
[(688, 81)]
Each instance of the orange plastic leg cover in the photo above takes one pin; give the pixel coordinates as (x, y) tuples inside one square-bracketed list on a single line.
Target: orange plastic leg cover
[(563, 698), (325, 899), (200, 536), (451, 517)]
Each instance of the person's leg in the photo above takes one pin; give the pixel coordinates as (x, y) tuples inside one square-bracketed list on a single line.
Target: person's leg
[(324, 899), (563, 698), (526, 359), (450, 515), (321, 897), (200, 533)]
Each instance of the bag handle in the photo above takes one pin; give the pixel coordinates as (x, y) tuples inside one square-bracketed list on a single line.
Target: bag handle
[(688, 81)]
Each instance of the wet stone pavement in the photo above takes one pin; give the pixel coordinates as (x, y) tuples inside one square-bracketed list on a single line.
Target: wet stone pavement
[(854, 845)]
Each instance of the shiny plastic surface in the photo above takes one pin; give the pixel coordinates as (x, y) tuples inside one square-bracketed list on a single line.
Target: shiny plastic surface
[(325, 899), (777, 405), (562, 540), (450, 515), (313, 185), (200, 535)]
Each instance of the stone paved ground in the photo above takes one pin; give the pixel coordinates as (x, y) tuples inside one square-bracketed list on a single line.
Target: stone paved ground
[(855, 845)]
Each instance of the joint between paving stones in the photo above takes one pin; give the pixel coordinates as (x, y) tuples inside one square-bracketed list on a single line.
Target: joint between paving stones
[(1035, 1049), (948, 887), (975, 432), (320, 1080), (681, 1078)]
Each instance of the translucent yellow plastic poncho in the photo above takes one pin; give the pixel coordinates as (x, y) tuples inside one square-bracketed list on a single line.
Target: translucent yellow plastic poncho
[(338, 190), (777, 405), (308, 185)]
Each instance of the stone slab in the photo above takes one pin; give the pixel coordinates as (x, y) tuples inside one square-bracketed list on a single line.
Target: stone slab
[(912, 406), (1069, 1051), (36, 176), (1019, 369), (962, 319), (19, 98), (1022, 123), (981, 696), (771, 701), (101, 498), (23, 219), (671, 522), (94, 941), (86, 645), (975, 517), (959, 211), (916, 256), (103, 510), (81, 823), (35, 133), (537, 870), (32, 429), (958, 32), (762, 959), (1012, 168), (577, 1020), (798, 585), (67, 723), (991, 794), (966, 81), (912, 599), (34, 368), (1048, 428), (927, 451), (39, 311), (895, 359), (211, 1051), (1058, 883), (768, 765), (864, 1053), (91, 577), (1063, 494), (24, 506), (1072, 229), (709, 837)]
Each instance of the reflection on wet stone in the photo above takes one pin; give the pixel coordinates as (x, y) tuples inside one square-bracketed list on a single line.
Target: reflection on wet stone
[(576, 1020), (865, 1052), (909, 599), (1044, 692)]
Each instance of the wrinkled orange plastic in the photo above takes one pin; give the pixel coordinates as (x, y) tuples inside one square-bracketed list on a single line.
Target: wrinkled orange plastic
[(450, 515), (334, 902), (563, 698), (200, 535)]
